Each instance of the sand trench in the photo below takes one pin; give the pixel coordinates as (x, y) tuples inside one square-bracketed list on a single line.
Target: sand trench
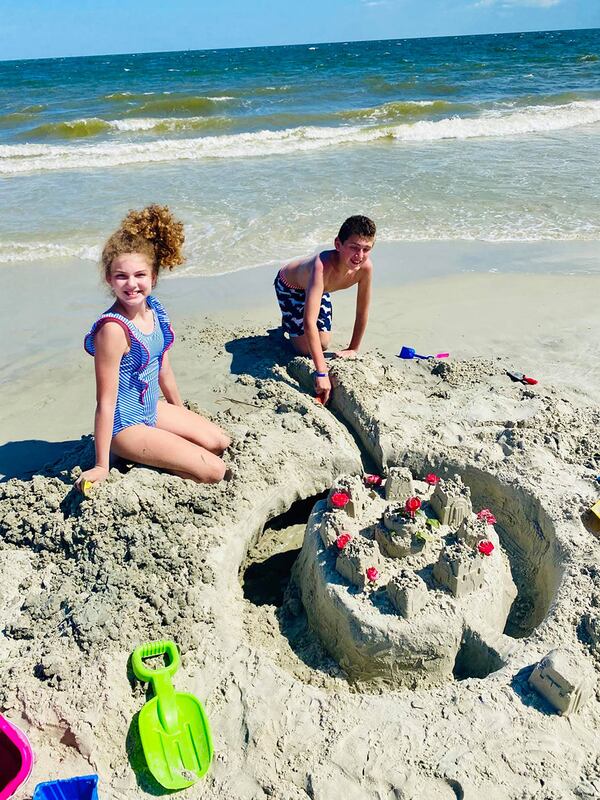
[(149, 555)]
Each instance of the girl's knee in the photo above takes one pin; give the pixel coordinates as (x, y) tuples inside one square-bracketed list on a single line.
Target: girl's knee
[(211, 472), (224, 441), (218, 443)]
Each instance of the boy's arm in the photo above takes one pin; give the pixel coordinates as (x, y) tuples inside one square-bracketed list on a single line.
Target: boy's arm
[(363, 303), (168, 384), (314, 295)]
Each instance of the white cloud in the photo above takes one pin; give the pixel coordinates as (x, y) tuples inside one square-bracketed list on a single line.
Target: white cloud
[(515, 3)]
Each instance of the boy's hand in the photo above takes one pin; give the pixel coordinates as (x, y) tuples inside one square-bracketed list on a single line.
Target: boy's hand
[(346, 354), (323, 389)]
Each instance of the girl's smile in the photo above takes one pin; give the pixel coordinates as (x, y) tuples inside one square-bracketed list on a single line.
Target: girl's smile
[(131, 279)]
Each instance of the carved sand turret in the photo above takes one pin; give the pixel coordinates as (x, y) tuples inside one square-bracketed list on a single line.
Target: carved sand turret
[(400, 534), (356, 558), (564, 679), (333, 524), (358, 496), (407, 592), (451, 502), (472, 531), (460, 569), (399, 485)]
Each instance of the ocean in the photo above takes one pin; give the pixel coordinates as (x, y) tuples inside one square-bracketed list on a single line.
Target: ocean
[(264, 151)]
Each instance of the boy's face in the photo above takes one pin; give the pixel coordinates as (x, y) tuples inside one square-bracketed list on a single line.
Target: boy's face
[(354, 251)]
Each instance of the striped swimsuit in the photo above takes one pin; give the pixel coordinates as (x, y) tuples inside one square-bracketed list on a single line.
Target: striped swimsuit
[(292, 300), (137, 397)]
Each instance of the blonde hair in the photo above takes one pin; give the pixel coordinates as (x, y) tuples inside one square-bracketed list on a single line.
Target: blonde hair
[(153, 232)]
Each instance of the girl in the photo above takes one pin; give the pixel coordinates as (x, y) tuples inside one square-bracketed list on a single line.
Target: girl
[(129, 343)]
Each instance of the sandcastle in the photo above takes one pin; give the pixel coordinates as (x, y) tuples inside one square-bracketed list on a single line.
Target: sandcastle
[(396, 574)]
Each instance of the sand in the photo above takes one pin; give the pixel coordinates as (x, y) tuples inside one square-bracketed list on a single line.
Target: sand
[(148, 555)]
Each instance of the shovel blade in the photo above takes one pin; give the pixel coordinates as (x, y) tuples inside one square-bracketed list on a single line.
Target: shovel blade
[(177, 759), (406, 352)]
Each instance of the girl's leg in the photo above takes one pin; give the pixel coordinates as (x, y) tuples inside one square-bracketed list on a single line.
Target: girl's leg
[(300, 343), (160, 448), (192, 427)]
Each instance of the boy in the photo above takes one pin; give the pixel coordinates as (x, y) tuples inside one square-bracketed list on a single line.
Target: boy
[(303, 292)]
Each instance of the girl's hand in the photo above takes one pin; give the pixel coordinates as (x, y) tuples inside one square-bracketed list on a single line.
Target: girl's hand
[(323, 389), (94, 475), (346, 354)]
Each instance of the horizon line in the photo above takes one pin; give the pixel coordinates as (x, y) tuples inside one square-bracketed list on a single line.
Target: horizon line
[(291, 44)]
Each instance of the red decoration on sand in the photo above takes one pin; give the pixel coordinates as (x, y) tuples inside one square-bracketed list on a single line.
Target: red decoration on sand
[(340, 499), (342, 540), (372, 574), (432, 479), (372, 480), (485, 547), (412, 504), (486, 515)]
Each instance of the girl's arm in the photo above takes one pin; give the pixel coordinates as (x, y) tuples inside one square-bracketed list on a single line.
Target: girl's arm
[(168, 384), (110, 344), (314, 295)]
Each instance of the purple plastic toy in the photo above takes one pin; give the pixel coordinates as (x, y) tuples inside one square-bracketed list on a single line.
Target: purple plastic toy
[(16, 758)]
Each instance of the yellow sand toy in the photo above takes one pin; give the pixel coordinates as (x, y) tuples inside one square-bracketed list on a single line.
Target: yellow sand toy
[(595, 509)]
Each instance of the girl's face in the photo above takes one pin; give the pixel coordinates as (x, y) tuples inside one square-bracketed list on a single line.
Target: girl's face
[(131, 279)]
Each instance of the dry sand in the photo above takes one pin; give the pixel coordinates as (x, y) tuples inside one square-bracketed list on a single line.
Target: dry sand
[(151, 556)]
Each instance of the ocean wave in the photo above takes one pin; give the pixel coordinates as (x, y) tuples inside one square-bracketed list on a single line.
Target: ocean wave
[(71, 129), (15, 252), (399, 110), (15, 159), (180, 104)]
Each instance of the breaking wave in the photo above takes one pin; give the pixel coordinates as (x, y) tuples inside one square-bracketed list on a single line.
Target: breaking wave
[(25, 158)]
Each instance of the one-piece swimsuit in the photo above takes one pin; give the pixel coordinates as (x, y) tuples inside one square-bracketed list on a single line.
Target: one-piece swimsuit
[(137, 396)]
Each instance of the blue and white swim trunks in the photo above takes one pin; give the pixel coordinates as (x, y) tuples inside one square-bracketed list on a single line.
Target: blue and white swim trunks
[(292, 300)]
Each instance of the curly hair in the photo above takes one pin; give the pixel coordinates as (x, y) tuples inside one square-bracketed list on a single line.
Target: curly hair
[(154, 232)]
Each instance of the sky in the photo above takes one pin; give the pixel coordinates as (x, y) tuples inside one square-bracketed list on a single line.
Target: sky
[(53, 28)]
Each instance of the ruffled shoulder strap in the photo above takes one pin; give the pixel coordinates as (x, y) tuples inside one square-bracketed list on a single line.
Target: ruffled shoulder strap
[(165, 324), (140, 355)]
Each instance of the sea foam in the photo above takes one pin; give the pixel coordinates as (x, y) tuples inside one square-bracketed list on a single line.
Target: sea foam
[(27, 158)]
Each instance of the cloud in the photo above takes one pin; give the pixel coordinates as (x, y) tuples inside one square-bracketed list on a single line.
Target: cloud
[(516, 3)]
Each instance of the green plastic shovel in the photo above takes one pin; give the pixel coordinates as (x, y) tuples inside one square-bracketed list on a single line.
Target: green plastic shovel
[(174, 730)]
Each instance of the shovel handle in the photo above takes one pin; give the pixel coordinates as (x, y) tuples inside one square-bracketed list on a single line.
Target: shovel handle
[(164, 647)]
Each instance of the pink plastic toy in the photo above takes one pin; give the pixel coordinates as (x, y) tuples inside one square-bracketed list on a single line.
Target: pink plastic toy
[(16, 758)]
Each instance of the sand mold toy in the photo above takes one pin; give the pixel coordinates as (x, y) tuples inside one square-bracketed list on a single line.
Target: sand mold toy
[(174, 729), (16, 758), (79, 788)]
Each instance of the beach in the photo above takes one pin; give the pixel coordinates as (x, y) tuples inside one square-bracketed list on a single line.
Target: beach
[(475, 157), (528, 303)]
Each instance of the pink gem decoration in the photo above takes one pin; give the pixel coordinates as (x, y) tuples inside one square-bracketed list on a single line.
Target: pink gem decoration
[(340, 499), (412, 504), (432, 479), (372, 574), (485, 547), (342, 540), (486, 515), (372, 480)]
